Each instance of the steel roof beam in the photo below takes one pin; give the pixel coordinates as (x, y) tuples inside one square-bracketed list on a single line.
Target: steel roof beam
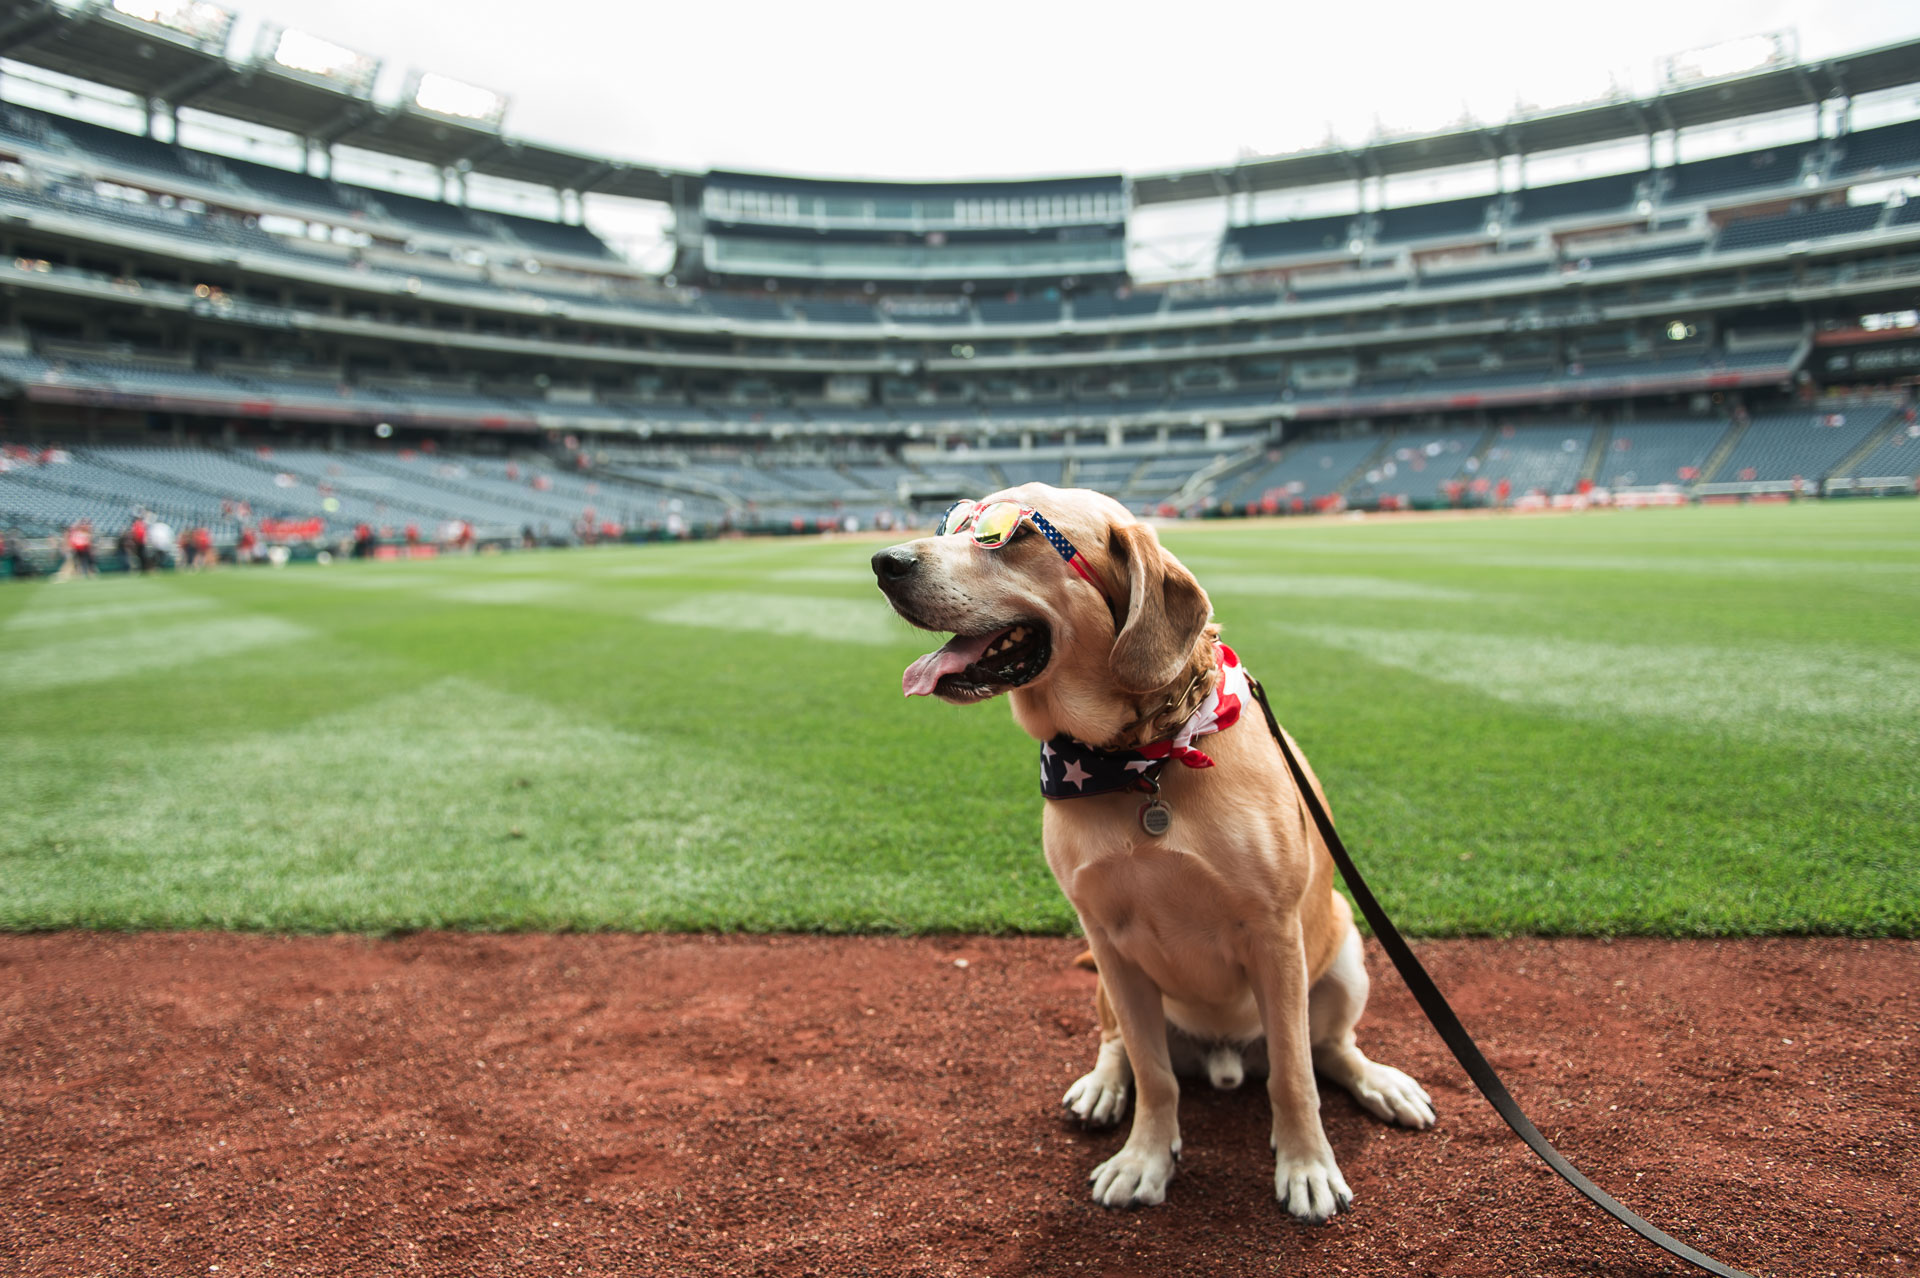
[(29, 27), (186, 88)]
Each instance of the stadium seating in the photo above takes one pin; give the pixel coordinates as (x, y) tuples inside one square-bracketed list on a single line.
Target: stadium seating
[(1537, 459), (1646, 454), (1748, 170), (1890, 148), (1800, 445), (1303, 471), (1158, 479), (125, 149), (1589, 197), (1426, 221), (1094, 306), (1600, 259), (1305, 236), (1896, 457), (1027, 311), (742, 306), (554, 237), (1761, 231), (1482, 274), (1414, 465), (286, 187)]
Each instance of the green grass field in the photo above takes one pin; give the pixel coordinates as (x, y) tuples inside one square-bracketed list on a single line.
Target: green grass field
[(1687, 722)]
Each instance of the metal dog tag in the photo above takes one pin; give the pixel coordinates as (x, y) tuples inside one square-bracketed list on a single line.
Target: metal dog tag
[(1156, 818)]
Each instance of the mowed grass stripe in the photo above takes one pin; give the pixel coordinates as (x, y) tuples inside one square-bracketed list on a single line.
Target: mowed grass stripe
[(1569, 725)]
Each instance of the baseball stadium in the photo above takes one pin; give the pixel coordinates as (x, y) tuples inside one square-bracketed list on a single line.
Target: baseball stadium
[(461, 814)]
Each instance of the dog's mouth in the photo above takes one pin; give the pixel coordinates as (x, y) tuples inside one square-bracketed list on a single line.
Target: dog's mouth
[(975, 667)]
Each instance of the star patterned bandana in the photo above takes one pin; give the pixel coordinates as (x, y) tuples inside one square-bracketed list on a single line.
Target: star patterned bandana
[(1071, 769)]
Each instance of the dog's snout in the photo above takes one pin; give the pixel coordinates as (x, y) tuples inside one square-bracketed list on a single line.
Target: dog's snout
[(894, 564)]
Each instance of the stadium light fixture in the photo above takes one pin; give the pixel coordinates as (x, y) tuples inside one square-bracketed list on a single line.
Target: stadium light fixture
[(207, 23), (444, 95), (298, 51)]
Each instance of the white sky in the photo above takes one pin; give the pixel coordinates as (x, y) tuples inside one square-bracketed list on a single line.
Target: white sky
[(999, 87)]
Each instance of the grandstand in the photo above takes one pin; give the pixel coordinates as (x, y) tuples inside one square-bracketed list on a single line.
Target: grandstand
[(221, 338)]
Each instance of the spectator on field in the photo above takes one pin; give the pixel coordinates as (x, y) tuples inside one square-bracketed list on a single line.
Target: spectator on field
[(137, 544), (362, 541), (247, 549), (200, 549), (526, 537), (80, 549)]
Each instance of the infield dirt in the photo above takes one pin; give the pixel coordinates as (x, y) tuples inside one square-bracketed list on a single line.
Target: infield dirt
[(458, 1104)]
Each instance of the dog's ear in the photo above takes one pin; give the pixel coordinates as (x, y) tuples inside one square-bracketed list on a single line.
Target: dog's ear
[(1166, 611)]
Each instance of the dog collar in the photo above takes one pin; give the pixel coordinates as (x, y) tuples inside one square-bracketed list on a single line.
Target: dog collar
[(1071, 769)]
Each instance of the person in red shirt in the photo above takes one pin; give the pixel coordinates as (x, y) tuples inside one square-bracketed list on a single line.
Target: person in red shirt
[(137, 543), (80, 548), (1502, 491), (201, 542), (249, 544)]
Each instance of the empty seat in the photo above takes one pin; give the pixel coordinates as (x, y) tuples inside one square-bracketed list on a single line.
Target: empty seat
[(1749, 170), (1760, 231), (1426, 221), (1886, 149), (1648, 454), (1299, 237), (1585, 198)]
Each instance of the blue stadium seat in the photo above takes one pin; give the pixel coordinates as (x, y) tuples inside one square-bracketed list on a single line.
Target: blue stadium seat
[(1588, 197), (1800, 444), (1429, 221), (1302, 237), (1749, 170), (1646, 454), (1761, 231), (1890, 148)]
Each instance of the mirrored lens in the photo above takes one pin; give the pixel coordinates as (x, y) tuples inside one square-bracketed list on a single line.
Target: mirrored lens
[(994, 525), (956, 518)]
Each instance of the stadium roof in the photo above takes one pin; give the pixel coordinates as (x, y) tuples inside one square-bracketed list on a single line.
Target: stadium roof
[(180, 58), (1682, 106), (92, 40)]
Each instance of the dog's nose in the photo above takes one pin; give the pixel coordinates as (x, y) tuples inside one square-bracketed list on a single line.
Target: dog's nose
[(895, 563)]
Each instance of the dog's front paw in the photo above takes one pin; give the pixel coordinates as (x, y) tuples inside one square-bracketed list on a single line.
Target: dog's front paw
[(1311, 1189), (1099, 1099), (1392, 1096), (1133, 1179)]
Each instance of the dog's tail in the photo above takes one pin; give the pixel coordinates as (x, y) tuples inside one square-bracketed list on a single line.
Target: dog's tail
[(1086, 960)]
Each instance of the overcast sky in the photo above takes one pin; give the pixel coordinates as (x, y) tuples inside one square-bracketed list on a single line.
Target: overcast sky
[(1013, 87)]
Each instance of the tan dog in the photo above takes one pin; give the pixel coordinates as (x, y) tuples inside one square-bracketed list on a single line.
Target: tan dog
[(1220, 932)]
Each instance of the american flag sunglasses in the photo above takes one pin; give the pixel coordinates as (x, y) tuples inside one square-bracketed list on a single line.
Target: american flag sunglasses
[(993, 524)]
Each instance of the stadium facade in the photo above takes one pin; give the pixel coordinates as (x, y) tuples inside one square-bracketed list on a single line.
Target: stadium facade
[(219, 338)]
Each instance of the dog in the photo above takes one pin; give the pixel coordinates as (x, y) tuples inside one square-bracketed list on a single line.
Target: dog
[(1221, 946)]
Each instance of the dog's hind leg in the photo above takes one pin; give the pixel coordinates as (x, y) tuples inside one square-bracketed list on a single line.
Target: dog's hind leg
[(1099, 1098), (1333, 1008)]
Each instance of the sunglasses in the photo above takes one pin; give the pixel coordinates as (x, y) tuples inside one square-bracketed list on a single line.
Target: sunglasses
[(993, 525)]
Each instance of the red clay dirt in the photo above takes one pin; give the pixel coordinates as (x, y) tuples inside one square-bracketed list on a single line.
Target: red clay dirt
[(451, 1104)]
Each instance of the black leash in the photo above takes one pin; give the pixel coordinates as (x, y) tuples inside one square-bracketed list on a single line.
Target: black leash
[(1434, 1004)]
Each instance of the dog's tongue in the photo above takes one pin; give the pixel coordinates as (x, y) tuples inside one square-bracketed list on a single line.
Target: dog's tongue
[(957, 655)]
